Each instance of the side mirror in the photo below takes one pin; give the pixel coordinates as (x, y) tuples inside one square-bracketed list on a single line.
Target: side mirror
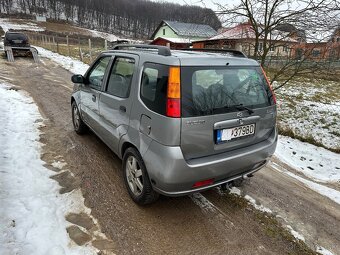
[(78, 78)]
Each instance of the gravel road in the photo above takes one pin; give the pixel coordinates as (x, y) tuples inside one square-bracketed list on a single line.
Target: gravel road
[(207, 223)]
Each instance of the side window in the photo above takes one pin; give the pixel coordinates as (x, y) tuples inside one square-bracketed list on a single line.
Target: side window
[(95, 78), (120, 77), (154, 84)]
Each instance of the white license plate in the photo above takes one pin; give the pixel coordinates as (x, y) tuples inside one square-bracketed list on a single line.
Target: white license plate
[(233, 133)]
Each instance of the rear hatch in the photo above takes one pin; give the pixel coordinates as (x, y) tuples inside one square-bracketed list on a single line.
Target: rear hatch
[(224, 108), (16, 40)]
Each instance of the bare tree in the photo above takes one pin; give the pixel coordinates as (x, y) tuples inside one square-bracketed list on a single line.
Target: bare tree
[(269, 18)]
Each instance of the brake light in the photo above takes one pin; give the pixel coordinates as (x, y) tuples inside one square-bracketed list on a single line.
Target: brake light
[(173, 104), (269, 85), (203, 183)]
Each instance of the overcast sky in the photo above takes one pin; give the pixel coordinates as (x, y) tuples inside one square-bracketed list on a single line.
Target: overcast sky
[(204, 3)]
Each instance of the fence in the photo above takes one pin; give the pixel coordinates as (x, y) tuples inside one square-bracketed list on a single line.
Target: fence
[(84, 49)]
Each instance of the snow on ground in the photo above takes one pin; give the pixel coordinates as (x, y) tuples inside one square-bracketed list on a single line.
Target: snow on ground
[(6, 25), (58, 164), (259, 207), (311, 109), (296, 234), (73, 65), (32, 210), (321, 189), (315, 162), (106, 36), (323, 251), (262, 208)]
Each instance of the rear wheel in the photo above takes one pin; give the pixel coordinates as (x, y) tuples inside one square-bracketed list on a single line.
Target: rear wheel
[(136, 178), (78, 124)]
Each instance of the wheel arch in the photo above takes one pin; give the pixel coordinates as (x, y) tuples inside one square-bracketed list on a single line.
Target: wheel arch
[(125, 146)]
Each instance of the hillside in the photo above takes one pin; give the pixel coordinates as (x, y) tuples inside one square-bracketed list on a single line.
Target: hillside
[(134, 18)]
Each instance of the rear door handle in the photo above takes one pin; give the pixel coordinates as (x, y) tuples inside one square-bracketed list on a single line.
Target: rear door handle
[(94, 98), (122, 108)]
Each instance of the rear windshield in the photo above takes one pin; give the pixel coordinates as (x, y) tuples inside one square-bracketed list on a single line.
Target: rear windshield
[(15, 36), (216, 90)]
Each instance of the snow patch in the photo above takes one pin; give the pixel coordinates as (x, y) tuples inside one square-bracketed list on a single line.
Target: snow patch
[(321, 189), (323, 251), (314, 162), (259, 207), (58, 164), (29, 26), (32, 210), (235, 191), (295, 233), (73, 65)]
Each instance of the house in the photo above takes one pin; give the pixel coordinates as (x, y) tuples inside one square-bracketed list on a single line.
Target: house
[(321, 46), (180, 35), (242, 37)]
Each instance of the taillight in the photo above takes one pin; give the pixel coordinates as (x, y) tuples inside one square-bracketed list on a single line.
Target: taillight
[(269, 85), (203, 183), (173, 103)]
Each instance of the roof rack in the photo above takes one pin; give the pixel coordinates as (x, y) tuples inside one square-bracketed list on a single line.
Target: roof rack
[(162, 50), (235, 53)]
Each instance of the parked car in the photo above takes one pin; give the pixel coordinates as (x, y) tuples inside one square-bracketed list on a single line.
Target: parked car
[(15, 39), (17, 44), (181, 121)]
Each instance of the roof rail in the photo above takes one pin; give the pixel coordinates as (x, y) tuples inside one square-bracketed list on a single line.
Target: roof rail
[(235, 53), (162, 50)]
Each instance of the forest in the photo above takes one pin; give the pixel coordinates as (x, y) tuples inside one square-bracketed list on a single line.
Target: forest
[(135, 18)]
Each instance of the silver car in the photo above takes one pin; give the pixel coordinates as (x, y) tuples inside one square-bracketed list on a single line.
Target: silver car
[(181, 121)]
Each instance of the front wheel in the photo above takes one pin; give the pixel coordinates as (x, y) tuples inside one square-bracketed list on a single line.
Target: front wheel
[(136, 178), (78, 124)]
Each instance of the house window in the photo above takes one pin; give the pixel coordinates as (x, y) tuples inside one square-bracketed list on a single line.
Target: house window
[(260, 46), (272, 48), (338, 39), (164, 31), (316, 53), (285, 48)]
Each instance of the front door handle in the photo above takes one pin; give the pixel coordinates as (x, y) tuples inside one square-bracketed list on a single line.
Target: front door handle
[(94, 98), (122, 108)]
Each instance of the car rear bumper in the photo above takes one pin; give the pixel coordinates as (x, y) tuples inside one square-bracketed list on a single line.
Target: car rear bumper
[(172, 175)]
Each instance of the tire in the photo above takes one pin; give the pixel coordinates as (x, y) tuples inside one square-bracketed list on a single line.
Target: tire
[(136, 178), (78, 124)]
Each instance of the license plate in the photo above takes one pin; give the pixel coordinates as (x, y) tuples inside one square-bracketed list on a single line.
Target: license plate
[(235, 132)]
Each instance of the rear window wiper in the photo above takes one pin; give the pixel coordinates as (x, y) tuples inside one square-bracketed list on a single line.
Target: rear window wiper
[(240, 107)]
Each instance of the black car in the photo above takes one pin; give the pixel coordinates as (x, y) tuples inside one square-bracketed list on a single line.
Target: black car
[(15, 39)]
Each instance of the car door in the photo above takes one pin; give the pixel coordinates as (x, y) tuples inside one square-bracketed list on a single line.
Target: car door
[(90, 92), (115, 101)]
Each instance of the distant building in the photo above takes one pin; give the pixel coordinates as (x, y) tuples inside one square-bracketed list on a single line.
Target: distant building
[(40, 18), (177, 34), (242, 37), (320, 47)]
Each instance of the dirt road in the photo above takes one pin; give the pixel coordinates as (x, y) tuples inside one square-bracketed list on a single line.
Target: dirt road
[(210, 223)]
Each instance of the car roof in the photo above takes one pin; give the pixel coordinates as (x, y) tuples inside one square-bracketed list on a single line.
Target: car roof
[(11, 32), (189, 57)]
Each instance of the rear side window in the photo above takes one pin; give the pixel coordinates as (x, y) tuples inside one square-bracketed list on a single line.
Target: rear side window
[(216, 90), (154, 87)]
